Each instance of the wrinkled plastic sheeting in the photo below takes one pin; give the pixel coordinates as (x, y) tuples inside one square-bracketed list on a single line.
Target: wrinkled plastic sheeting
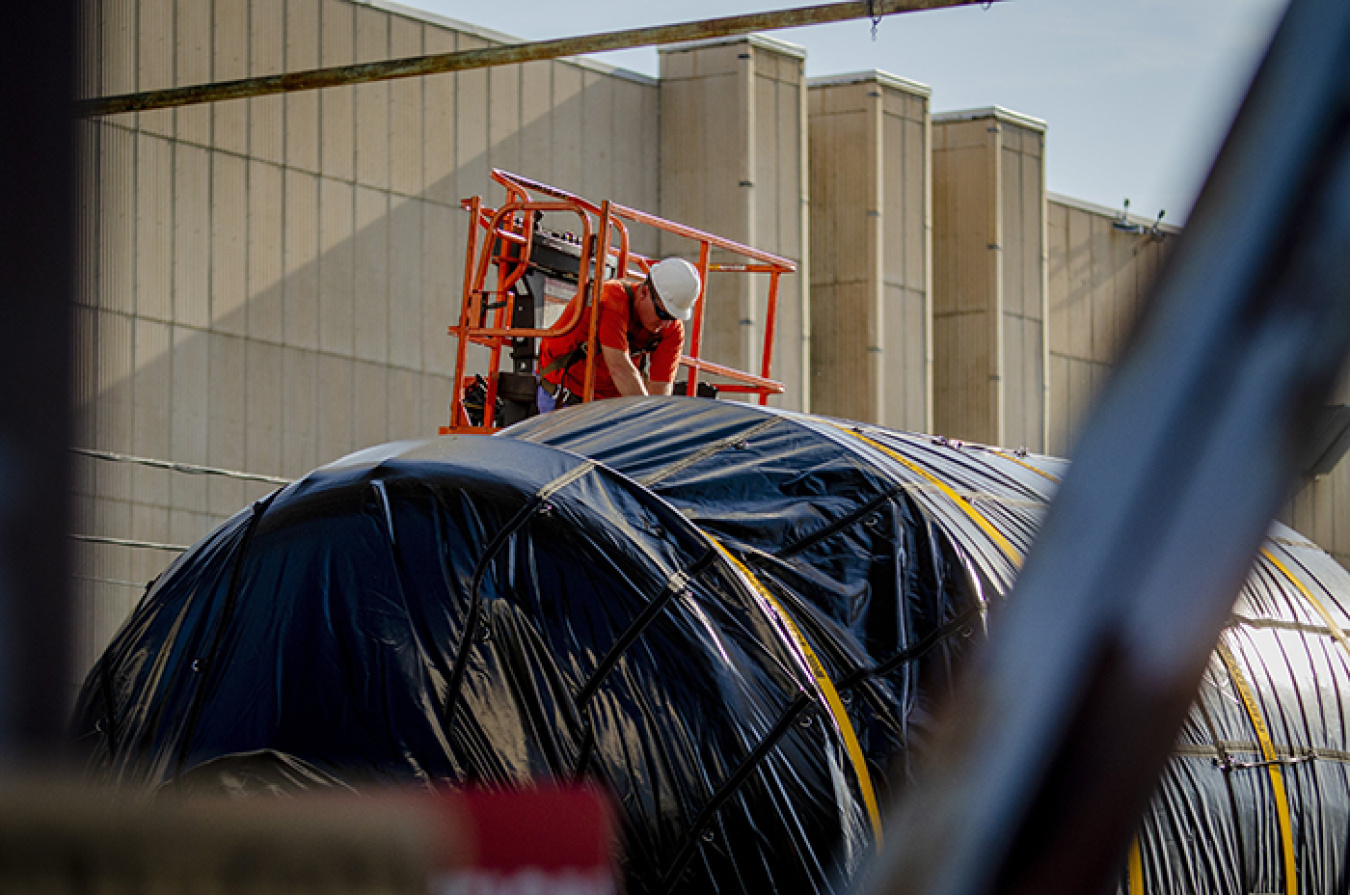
[(891, 548), (475, 610)]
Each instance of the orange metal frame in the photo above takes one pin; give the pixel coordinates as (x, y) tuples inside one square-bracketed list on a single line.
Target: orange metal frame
[(498, 248)]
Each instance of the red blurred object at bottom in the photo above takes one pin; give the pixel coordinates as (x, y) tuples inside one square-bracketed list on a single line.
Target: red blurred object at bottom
[(545, 841)]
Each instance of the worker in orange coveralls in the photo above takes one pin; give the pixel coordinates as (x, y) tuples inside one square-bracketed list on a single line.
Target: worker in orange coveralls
[(641, 332)]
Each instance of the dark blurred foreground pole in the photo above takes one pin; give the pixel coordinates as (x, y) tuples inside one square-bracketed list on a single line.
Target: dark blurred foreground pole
[(1054, 745), (36, 69)]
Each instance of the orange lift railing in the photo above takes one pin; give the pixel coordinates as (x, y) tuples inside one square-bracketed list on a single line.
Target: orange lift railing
[(519, 276)]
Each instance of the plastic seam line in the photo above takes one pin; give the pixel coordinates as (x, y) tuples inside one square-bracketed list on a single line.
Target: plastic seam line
[(470, 633), (730, 787), (1278, 793), (1014, 556), (836, 705), (222, 621), (699, 456)]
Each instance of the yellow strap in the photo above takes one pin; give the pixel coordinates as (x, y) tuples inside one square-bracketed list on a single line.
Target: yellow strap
[(827, 689), (1025, 465), (1136, 868), (1013, 554), (1316, 604), (1276, 777)]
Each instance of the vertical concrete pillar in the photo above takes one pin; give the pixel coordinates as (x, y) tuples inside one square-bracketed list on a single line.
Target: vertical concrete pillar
[(870, 249), (989, 277), (733, 162)]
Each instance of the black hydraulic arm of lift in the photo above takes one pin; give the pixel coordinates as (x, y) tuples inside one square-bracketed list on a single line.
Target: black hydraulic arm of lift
[(1049, 754)]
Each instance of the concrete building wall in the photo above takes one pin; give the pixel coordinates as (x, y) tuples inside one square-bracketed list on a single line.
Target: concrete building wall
[(266, 284), (1321, 507), (734, 162), (1102, 266), (870, 250), (1101, 270), (989, 269)]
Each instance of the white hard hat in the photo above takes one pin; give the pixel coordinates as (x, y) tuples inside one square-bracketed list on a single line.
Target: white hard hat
[(676, 282)]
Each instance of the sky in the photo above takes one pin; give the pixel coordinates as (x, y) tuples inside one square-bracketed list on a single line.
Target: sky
[(1137, 94)]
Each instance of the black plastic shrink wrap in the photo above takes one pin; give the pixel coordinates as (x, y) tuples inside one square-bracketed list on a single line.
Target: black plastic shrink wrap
[(897, 548), (735, 619), (491, 611)]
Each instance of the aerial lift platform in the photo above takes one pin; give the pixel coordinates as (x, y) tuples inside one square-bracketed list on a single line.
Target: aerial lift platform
[(520, 276)]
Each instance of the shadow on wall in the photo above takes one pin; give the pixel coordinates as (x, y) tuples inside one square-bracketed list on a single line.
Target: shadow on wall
[(248, 315)]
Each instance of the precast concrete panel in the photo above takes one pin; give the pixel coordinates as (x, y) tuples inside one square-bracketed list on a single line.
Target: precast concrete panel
[(1102, 290), (597, 135), (193, 58), (117, 64), (152, 391), (302, 109), (536, 120), (229, 220), (153, 255), (265, 306), (370, 403), (336, 406), (965, 243), (229, 62), (472, 166), (438, 122), (1012, 236), (191, 235), (372, 117), (504, 149), (300, 252), (371, 275), (263, 406), (845, 208), (337, 46), (337, 200), (116, 365), (116, 234), (1023, 379), (405, 283), (567, 123), (267, 56), (732, 127), (403, 404), (300, 408), (225, 446), (988, 200), (155, 68), (1101, 267), (443, 261), (406, 103)]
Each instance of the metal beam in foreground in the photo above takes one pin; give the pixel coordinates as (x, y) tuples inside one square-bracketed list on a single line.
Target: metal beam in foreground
[(363, 73), (37, 61), (1054, 745)]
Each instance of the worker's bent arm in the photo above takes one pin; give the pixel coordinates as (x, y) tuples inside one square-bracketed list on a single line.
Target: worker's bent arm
[(658, 388), (626, 377)]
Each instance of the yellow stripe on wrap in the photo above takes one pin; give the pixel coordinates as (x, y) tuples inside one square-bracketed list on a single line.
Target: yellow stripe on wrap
[(1013, 554), (1321, 610), (1276, 777), (827, 690), (1136, 868)]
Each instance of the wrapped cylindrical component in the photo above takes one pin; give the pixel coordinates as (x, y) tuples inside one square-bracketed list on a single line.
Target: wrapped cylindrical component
[(1257, 796)]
